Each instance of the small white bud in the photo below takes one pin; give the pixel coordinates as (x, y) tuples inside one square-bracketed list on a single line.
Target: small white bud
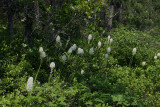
[(109, 37), (58, 39), (64, 58), (70, 50), (109, 50), (158, 54), (52, 65), (111, 40), (43, 54), (99, 44), (91, 50), (155, 57), (143, 63), (80, 51), (89, 37), (134, 51), (30, 84), (82, 71), (106, 56), (74, 47), (40, 49)]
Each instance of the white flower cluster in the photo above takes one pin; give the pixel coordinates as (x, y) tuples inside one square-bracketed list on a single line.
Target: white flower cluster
[(52, 65), (58, 40), (82, 71), (80, 51), (155, 57), (108, 50), (30, 84), (134, 51), (64, 57), (72, 48), (89, 38), (42, 53), (106, 55), (91, 50), (99, 44), (143, 63), (110, 40)]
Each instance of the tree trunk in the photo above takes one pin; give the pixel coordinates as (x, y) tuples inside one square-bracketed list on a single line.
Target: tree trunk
[(110, 21), (51, 33), (28, 22), (120, 15), (28, 28), (10, 17), (102, 16), (37, 13)]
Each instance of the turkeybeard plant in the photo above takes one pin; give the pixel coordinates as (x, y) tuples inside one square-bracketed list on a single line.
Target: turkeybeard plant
[(64, 57), (143, 63), (70, 50), (99, 44), (89, 38), (74, 47), (29, 84), (82, 72), (80, 51), (134, 51), (52, 66), (106, 55), (109, 37), (133, 54), (42, 55), (108, 50), (155, 57), (111, 40), (58, 40), (91, 50)]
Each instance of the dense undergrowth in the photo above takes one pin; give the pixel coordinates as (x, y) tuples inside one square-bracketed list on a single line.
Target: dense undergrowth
[(100, 77)]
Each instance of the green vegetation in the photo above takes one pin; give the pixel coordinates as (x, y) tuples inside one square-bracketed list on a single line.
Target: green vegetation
[(76, 58)]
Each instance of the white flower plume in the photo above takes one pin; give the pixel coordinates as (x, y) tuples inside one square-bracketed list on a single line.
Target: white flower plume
[(134, 51), (30, 84), (99, 44), (80, 51), (91, 50), (52, 65)]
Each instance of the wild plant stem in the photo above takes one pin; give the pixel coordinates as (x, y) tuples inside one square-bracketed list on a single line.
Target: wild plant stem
[(37, 72), (131, 61), (50, 76)]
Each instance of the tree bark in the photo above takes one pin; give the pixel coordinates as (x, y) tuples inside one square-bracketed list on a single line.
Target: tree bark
[(110, 21), (28, 22), (37, 13), (102, 16), (53, 4), (120, 15), (28, 28)]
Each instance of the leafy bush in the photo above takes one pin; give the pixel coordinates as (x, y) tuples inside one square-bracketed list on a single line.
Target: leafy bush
[(103, 75)]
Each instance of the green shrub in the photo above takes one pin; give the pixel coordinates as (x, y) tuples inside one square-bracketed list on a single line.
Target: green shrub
[(118, 80)]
